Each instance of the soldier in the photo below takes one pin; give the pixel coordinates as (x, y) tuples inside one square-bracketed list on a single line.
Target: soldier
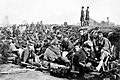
[(87, 16), (17, 32), (82, 17), (41, 26), (53, 52), (80, 58), (103, 49), (66, 44), (14, 30), (38, 26), (82, 39)]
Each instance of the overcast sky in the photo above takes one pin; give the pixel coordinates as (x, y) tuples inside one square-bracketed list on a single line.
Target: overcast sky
[(58, 11)]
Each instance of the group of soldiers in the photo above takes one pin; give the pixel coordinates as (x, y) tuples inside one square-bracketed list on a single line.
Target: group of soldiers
[(33, 41), (90, 45), (84, 18), (38, 42)]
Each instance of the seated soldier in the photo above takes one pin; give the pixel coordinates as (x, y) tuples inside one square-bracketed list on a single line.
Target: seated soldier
[(53, 53), (28, 56), (15, 51), (103, 48), (80, 58), (66, 44), (25, 54), (83, 37), (4, 50), (66, 47), (57, 40), (18, 52)]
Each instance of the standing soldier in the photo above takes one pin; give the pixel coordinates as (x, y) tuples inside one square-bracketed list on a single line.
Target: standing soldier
[(38, 26), (82, 17), (17, 32), (87, 16), (41, 26), (14, 30), (108, 21)]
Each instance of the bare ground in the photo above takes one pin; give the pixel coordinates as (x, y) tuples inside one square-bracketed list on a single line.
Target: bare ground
[(13, 72), (27, 75)]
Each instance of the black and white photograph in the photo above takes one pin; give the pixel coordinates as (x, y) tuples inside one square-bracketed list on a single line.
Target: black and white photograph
[(59, 40)]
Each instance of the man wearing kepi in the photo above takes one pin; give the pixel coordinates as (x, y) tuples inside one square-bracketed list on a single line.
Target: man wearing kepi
[(82, 17), (103, 48), (87, 16)]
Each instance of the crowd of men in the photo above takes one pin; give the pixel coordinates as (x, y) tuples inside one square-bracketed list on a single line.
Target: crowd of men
[(55, 44), (33, 41)]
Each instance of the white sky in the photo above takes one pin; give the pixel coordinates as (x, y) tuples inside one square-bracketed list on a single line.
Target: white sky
[(58, 11)]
